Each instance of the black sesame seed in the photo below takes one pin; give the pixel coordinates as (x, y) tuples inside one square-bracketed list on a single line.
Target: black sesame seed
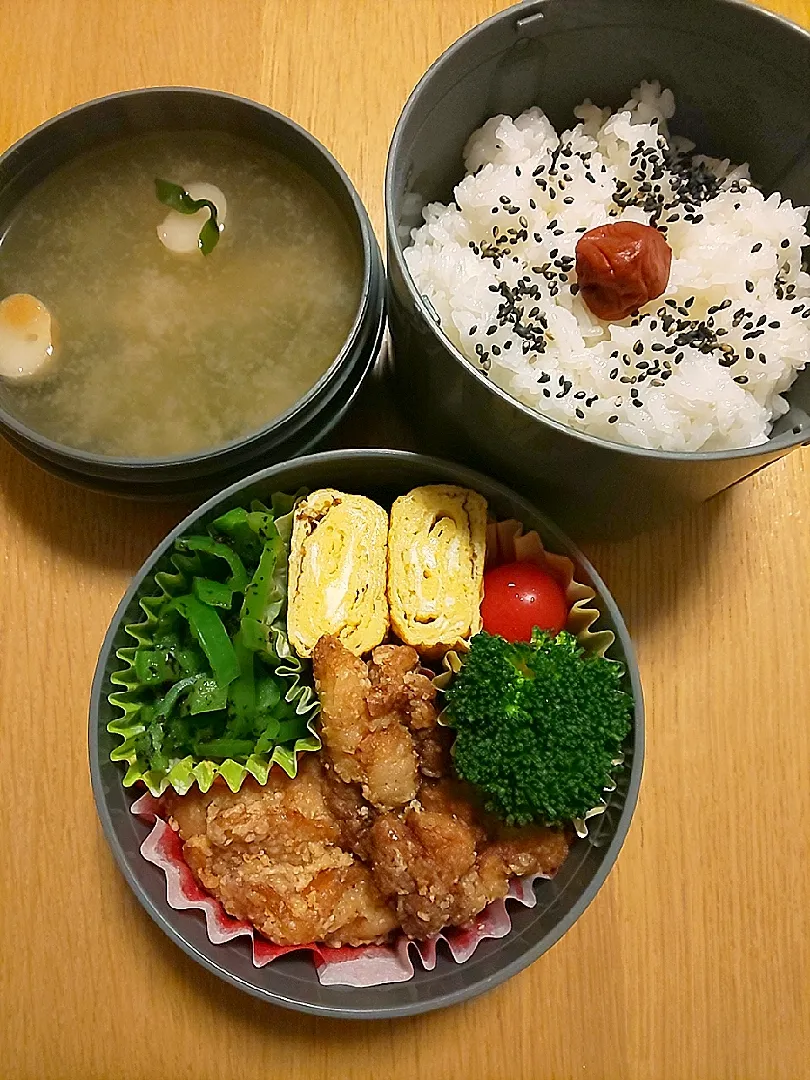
[(749, 286), (785, 243), (580, 414), (741, 379), (638, 348), (638, 404), (612, 419)]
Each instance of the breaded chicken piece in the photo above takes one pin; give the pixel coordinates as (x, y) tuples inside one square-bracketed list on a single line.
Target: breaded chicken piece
[(399, 685), (437, 864), (353, 813), (432, 851), (272, 856), (362, 722), (372, 835)]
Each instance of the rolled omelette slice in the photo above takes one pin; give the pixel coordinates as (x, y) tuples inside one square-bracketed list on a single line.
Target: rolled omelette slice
[(337, 570), (436, 552)]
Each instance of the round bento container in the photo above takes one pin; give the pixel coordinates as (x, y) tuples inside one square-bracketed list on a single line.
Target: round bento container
[(291, 981), (315, 414), (740, 78)]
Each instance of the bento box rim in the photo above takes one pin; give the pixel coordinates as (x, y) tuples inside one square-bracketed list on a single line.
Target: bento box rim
[(461, 475)]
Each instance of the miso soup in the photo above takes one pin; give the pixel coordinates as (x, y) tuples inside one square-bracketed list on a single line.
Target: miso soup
[(162, 353)]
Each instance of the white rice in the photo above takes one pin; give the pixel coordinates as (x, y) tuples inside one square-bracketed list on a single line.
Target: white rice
[(705, 365)]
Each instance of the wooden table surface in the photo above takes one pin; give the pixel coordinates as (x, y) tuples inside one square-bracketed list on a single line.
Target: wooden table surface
[(693, 961)]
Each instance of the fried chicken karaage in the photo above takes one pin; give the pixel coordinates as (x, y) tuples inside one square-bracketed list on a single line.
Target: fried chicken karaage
[(272, 855), (373, 834)]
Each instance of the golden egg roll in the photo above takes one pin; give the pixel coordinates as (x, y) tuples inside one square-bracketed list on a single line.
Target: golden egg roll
[(337, 572), (436, 552)]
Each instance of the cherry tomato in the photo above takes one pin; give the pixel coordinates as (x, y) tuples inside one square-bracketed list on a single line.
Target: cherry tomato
[(520, 596)]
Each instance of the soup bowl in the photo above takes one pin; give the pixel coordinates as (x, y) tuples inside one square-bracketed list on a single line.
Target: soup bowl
[(739, 75), (312, 416), (292, 980)]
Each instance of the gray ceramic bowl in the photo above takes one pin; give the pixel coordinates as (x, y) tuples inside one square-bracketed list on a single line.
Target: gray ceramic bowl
[(312, 417), (740, 77), (291, 981)]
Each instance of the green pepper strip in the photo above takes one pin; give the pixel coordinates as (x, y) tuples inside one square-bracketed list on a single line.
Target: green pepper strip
[(171, 697), (242, 691), (239, 575), (224, 748), (213, 593), (268, 693), (154, 666), (207, 696), (208, 628), (262, 599), (236, 526)]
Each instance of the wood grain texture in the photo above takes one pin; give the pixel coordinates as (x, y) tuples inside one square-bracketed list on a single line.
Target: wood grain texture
[(693, 961)]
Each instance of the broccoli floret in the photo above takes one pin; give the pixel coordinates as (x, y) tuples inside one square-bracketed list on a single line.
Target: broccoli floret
[(537, 725)]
